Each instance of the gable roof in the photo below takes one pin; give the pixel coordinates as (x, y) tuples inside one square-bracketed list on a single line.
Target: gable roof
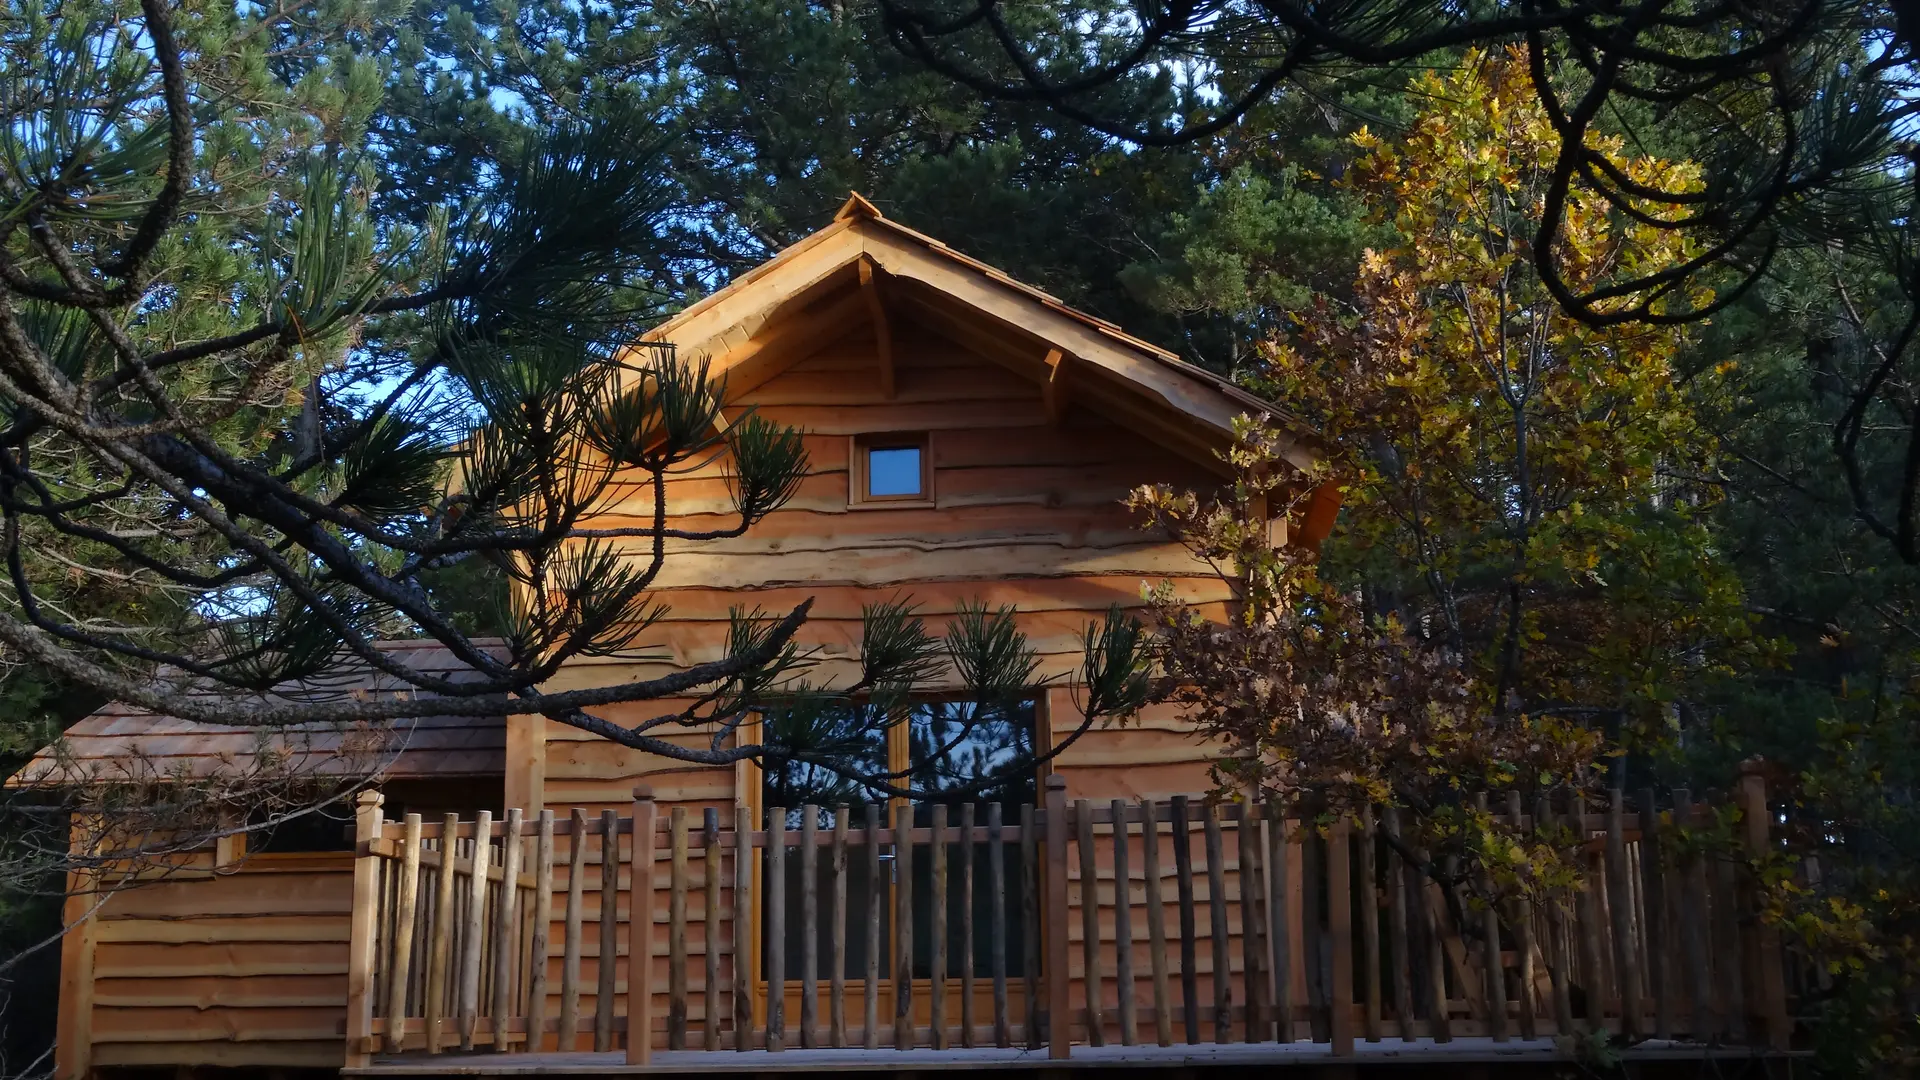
[(865, 267)]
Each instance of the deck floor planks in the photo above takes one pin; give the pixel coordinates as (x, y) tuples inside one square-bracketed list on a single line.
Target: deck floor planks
[(1461, 1051)]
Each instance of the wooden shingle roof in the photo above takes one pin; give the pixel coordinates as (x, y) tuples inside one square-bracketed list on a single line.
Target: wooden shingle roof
[(120, 739)]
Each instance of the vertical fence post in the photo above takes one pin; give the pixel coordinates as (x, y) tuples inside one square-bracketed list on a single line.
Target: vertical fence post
[(676, 929), (1340, 928), (744, 969), (408, 896), (903, 1033), (1253, 882), (639, 926), (1369, 922), (605, 986), (710, 924), (1280, 918), (1770, 978), (1054, 925), (1096, 1023), (506, 925), (542, 928), (362, 954), (1619, 885), (440, 958), (1495, 975), (1690, 881)]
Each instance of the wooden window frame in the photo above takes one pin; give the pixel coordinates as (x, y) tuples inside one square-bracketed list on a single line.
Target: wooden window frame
[(858, 446)]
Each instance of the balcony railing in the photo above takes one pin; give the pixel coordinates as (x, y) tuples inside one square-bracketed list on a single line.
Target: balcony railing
[(1151, 923)]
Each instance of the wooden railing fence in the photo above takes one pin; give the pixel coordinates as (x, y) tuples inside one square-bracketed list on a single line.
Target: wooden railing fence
[(1159, 921)]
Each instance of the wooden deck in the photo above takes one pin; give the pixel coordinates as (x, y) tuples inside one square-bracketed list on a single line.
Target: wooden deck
[(1154, 934), (1472, 1050)]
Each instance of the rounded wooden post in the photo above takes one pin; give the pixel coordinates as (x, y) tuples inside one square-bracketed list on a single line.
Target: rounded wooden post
[(937, 931), (1770, 979), (677, 930), (710, 925), (837, 931), (1340, 928), (1156, 922), (1123, 927), (363, 951), (1653, 886), (870, 993), (744, 969), (1280, 918), (473, 939), (440, 957), (1221, 955), (1619, 884), (609, 962), (639, 926), (1523, 934), (809, 925), (902, 927), (1054, 924), (542, 929), (1089, 921), (1491, 971), (403, 927), (1370, 924), (1691, 885), (775, 892), (1183, 889), (506, 926)]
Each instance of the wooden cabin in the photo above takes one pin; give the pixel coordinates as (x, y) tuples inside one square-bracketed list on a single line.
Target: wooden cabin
[(971, 438)]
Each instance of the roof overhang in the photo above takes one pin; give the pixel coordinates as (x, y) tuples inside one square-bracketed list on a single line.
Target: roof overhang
[(863, 265)]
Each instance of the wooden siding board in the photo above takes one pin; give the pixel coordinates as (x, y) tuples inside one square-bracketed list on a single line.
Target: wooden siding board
[(1027, 514)]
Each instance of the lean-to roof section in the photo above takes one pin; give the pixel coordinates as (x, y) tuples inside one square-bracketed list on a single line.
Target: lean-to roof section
[(122, 742)]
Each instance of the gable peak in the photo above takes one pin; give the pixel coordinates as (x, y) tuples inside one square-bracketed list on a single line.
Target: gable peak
[(857, 206)]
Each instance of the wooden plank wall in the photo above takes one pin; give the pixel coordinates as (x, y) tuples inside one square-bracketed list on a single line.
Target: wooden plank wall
[(247, 968), (1026, 512), (250, 968)]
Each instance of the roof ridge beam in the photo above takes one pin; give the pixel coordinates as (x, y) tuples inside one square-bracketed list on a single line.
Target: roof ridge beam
[(882, 329), (1053, 392)]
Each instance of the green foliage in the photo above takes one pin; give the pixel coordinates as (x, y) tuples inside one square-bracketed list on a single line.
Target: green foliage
[(1521, 486), (1335, 709), (777, 109), (1837, 710)]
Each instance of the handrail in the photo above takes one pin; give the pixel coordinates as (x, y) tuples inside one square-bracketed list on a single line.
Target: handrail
[(1032, 912)]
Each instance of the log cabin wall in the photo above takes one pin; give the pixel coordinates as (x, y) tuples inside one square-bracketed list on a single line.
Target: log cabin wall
[(242, 967), (1030, 451), (1026, 510), (238, 957)]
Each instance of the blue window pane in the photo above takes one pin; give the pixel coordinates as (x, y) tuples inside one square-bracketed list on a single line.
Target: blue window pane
[(893, 471)]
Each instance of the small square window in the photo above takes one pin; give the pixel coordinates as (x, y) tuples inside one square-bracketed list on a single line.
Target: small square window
[(890, 469), (893, 472)]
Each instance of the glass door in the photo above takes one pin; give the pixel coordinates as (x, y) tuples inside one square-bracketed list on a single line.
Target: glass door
[(949, 754), (959, 754)]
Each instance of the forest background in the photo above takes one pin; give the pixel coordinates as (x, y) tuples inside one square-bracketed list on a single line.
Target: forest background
[(1747, 606)]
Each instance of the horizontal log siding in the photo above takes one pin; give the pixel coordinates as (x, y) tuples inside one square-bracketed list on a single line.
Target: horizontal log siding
[(245, 969), (1026, 513)]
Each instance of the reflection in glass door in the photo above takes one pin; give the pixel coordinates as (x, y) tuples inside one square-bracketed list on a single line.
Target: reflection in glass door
[(948, 754)]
